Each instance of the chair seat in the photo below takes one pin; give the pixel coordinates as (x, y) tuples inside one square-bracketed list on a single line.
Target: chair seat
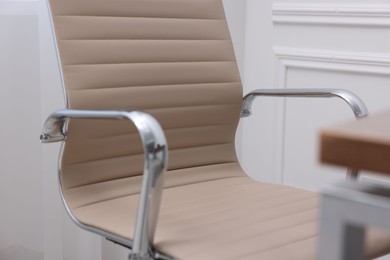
[(233, 217)]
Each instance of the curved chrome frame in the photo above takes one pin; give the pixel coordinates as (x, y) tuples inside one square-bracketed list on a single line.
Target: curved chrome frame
[(358, 107), (156, 159)]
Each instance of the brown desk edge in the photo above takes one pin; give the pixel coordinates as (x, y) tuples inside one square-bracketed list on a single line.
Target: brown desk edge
[(362, 144)]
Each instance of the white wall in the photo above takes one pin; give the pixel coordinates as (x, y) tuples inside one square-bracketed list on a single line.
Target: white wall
[(20, 168), (32, 221), (236, 17), (309, 44)]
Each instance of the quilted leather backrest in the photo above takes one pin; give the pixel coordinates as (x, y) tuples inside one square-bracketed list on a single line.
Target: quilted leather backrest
[(171, 58)]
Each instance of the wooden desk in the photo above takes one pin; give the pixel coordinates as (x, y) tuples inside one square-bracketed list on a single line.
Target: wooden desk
[(362, 144), (347, 209)]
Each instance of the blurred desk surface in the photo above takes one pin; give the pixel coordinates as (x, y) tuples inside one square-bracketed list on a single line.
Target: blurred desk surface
[(365, 145), (362, 144)]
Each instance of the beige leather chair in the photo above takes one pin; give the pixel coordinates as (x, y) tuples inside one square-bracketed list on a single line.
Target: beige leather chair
[(174, 60)]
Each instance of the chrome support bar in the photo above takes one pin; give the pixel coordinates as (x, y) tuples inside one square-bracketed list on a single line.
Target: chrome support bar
[(347, 210), (352, 174), (156, 159), (357, 105)]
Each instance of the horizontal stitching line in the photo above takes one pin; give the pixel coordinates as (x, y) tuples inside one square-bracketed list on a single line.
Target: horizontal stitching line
[(264, 191), (156, 62), (145, 39), (141, 154), (137, 17), (153, 110), (205, 181), (201, 165), (150, 39), (104, 181), (129, 195), (140, 176), (165, 130), (230, 229), (146, 62), (162, 85), (180, 108), (267, 199)]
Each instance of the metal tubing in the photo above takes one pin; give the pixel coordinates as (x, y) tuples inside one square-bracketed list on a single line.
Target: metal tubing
[(156, 159), (357, 105), (352, 174), (346, 211)]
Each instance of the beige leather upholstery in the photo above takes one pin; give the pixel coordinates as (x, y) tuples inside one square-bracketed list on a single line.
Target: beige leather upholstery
[(175, 60), (231, 218)]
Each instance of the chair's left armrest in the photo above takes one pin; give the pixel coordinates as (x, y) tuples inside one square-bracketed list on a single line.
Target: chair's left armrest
[(156, 160), (357, 105)]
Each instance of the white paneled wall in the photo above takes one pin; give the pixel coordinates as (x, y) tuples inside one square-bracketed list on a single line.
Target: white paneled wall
[(309, 44)]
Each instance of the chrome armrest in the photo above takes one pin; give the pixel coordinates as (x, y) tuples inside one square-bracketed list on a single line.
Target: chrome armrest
[(156, 159), (358, 107)]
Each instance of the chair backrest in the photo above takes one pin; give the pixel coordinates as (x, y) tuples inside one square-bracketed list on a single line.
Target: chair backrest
[(171, 58)]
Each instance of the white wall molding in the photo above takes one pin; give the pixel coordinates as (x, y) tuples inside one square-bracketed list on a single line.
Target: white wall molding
[(367, 14), (325, 60), (357, 62)]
